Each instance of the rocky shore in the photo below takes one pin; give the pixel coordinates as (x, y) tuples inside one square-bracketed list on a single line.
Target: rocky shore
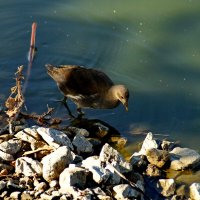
[(45, 163)]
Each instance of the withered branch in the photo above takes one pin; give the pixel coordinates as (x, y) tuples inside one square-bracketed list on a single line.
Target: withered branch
[(15, 101)]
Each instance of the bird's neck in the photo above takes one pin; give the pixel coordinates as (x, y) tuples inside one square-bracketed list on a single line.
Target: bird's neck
[(111, 96)]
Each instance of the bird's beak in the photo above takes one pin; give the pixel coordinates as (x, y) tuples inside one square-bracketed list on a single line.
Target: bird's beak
[(126, 106)]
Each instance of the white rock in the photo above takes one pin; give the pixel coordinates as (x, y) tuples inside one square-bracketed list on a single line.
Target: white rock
[(29, 135), (11, 146), (41, 187), (195, 191), (167, 187), (53, 183), (124, 191), (28, 166), (82, 144), (6, 156), (74, 176), (15, 195), (56, 162), (93, 164), (182, 158), (54, 137), (109, 154), (149, 143)]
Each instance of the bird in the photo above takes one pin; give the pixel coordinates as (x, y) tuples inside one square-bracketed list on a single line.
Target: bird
[(88, 87)]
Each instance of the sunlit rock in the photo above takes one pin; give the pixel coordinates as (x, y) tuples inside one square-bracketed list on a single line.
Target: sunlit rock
[(73, 176), (166, 187), (56, 162), (157, 157), (109, 154), (54, 137), (28, 166), (195, 191), (182, 158)]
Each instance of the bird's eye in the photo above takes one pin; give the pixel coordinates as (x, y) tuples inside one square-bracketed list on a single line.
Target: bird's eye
[(122, 97)]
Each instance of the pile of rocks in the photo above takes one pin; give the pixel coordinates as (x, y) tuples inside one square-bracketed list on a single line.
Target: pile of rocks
[(44, 163)]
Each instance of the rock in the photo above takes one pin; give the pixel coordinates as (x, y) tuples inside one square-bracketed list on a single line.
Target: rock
[(152, 170), (178, 197), (73, 176), (195, 191), (56, 162), (29, 135), (182, 158), (26, 196), (139, 162), (5, 156), (11, 146), (2, 185), (81, 131), (109, 154), (53, 184), (26, 182), (28, 166), (166, 187), (54, 137), (149, 143), (13, 186), (82, 144), (102, 130), (15, 195), (99, 173), (167, 145), (42, 186), (125, 191), (157, 157), (44, 196)]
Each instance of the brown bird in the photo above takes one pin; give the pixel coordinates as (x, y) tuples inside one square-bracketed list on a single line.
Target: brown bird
[(88, 88)]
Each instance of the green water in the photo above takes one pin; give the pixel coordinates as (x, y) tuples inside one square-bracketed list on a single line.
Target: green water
[(151, 46)]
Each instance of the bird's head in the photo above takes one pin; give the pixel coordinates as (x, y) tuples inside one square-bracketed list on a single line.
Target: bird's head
[(123, 95)]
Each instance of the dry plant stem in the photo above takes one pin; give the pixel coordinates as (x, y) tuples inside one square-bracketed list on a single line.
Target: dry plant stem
[(15, 101)]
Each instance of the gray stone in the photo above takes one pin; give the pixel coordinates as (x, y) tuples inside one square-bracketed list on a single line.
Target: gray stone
[(125, 191), (73, 176), (56, 162), (109, 154), (167, 187), (54, 137), (182, 158), (81, 131), (93, 164), (82, 144), (157, 157), (2, 185), (195, 191), (11, 146), (28, 166), (6, 156)]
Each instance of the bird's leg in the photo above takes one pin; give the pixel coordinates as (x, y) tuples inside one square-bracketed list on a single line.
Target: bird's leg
[(64, 101)]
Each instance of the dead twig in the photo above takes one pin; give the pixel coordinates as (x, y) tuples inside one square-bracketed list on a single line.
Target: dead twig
[(15, 101)]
